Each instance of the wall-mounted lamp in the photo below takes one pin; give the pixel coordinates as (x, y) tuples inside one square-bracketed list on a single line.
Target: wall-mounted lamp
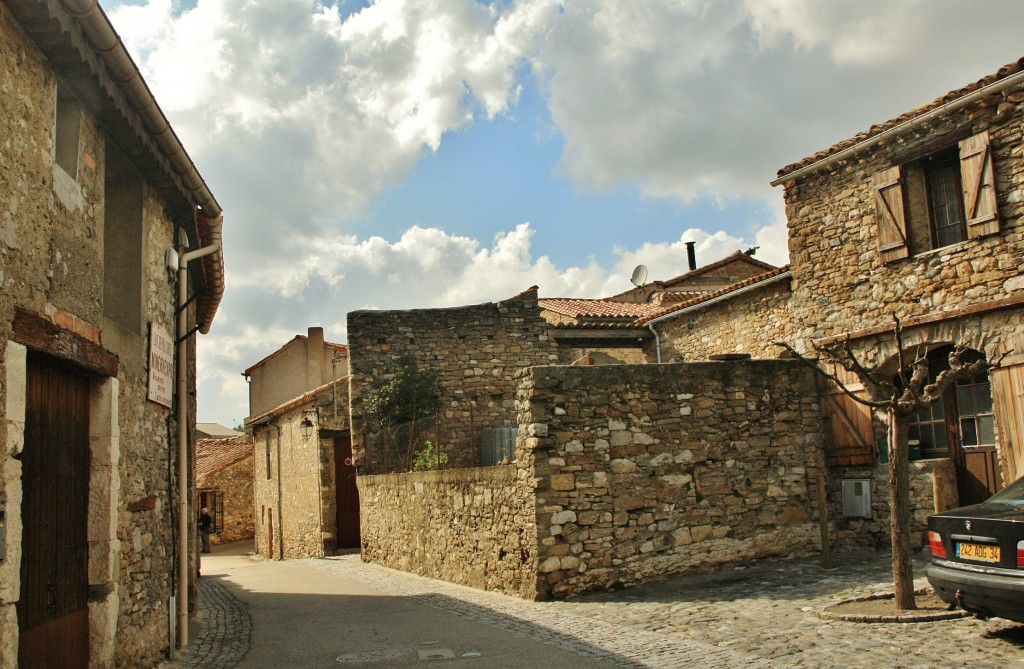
[(307, 426)]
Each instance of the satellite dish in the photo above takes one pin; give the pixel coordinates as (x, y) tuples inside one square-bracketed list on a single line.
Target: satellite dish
[(639, 276)]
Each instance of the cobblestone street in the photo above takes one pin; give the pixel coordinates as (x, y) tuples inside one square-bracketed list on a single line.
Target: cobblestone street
[(763, 615)]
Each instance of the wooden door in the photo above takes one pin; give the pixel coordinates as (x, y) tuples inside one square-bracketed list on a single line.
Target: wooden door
[(977, 460), (347, 493), (53, 614)]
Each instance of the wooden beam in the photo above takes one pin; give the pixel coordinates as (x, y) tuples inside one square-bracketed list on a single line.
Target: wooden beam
[(935, 317), (38, 334)]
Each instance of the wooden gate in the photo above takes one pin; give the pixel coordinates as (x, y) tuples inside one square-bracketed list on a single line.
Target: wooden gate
[(53, 614), (1008, 394), (347, 492)]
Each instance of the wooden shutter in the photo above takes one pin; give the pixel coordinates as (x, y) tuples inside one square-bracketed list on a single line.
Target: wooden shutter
[(1008, 395), (849, 429), (890, 214), (979, 183)]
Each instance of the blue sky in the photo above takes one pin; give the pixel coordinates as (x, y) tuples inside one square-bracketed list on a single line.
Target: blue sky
[(421, 153)]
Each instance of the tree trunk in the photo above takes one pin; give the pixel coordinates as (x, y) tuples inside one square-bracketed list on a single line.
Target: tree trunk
[(899, 504)]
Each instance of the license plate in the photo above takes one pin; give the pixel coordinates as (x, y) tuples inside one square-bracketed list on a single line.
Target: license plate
[(981, 552)]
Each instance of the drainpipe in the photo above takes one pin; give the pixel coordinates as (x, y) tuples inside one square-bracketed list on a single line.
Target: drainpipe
[(184, 518), (657, 342)]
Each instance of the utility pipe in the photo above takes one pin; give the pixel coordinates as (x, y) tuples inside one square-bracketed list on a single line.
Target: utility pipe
[(952, 105), (184, 518)]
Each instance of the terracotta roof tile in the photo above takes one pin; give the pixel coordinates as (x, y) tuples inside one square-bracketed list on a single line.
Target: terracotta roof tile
[(581, 308), (296, 402), (212, 455), (1001, 73)]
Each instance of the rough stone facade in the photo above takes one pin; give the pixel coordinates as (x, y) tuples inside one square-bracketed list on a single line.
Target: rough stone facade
[(648, 470), (294, 488), (476, 352), (850, 275), (472, 526), (52, 268), (747, 323)]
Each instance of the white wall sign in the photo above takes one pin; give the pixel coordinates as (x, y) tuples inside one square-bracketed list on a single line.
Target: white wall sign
[(161, 365)]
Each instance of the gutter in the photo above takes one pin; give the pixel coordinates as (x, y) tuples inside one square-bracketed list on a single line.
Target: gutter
[(951, 106), (700, 305)]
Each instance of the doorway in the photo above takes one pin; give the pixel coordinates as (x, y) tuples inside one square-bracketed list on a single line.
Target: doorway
[(347, 493), (53, 614)]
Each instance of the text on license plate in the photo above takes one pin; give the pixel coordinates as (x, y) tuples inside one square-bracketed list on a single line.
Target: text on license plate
[(983, 552)]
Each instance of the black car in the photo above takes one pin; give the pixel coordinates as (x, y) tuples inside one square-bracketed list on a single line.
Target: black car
[(978, 555)]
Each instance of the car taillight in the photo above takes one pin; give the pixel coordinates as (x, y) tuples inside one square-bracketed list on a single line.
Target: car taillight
[(939, 549), (1020, 554)]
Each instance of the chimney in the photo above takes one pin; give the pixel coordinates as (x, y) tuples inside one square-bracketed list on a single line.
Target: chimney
[(691, 255)]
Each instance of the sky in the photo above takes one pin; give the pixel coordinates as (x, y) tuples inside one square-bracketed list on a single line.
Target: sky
[(429, 153)]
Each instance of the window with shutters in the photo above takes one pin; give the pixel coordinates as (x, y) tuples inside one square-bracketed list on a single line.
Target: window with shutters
[(941, 199)]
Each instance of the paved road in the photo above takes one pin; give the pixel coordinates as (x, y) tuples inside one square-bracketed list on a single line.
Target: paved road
[(340, 612)]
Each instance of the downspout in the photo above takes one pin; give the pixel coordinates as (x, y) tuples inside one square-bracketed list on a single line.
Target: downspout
[(184, 518), (280, 513), (657, 342)]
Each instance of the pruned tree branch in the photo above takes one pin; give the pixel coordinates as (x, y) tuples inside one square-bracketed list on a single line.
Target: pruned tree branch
[(831, 376)]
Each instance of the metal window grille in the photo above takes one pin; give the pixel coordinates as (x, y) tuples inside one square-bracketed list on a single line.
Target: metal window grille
[(497, 443)]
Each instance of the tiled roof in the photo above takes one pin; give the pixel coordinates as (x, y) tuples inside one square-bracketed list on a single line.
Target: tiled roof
[(1001, 73), (212, 455), (216, 430), (296, 402), (736, 256), (340, 348), (580, 308), (707, 297)]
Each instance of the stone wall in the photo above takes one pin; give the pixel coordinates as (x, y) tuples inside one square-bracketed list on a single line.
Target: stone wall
[(928, 479), (746, 323), (52, 265), (471, 526), (841, 283), (475, 350), (649, 470)]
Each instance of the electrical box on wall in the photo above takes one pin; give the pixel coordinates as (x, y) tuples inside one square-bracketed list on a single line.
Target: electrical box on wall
[(856, 498)]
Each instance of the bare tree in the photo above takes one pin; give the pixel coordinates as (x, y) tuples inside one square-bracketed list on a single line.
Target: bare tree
[(894, 401)]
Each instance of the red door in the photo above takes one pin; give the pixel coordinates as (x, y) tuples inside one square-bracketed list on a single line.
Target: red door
[(348, 494), (53, 614)]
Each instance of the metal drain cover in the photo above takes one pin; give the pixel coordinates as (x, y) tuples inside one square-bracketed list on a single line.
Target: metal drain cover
[(374, 655)]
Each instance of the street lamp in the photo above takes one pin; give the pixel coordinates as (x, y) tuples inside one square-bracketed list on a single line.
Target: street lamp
[(307, 426)]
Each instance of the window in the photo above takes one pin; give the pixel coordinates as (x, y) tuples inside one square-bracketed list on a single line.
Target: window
[(68, 125), (942, 199), (266, 441), (964, 414)]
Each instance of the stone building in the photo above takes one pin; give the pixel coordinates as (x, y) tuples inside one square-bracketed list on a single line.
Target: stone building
[(304, 363), (921, 217), (618, 329), (224, 471), (304, 487), (106, 228)]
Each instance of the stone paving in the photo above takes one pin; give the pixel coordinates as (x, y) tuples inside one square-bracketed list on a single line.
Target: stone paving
[(223, 634), (762, 615)]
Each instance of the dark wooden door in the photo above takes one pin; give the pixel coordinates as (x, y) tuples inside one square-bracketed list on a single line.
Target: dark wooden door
[(348, 493), (53, 615)]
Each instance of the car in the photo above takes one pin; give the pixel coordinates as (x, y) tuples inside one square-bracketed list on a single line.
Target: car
[(977, 559)]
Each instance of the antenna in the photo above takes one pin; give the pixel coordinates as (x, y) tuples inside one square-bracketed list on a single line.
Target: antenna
[(639, 276)]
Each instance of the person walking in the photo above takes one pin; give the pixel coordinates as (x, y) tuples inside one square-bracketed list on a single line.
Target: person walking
[(205, 527)]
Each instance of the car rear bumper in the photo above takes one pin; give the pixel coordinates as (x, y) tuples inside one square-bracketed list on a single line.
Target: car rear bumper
[(982, 593)]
